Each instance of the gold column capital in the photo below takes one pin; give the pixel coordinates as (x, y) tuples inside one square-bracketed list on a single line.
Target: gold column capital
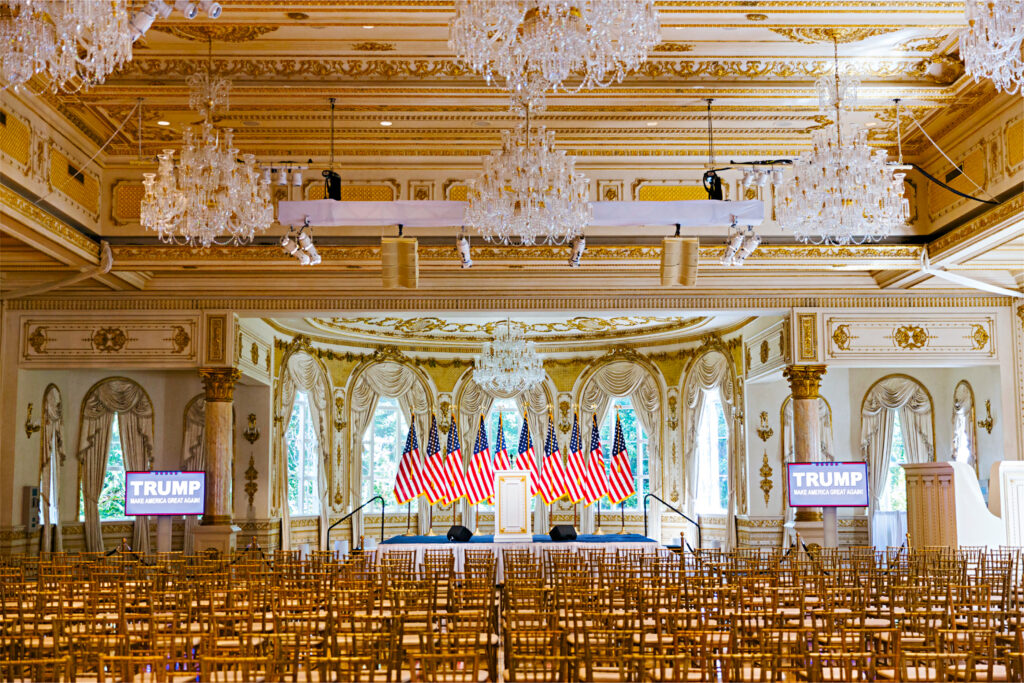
[(219, 383), (804, 380)]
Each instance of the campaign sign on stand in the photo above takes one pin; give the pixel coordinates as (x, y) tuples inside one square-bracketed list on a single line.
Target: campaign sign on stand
[(164, 493), (828, 484)]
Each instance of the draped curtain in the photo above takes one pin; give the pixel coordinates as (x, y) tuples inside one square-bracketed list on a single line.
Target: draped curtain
[(49, 472), (472, 401), (388, 379), (625, 378), (135, 419), (712, 372), (906, 395), (303, 372), (963, 424), (193, 456), (788, 452)]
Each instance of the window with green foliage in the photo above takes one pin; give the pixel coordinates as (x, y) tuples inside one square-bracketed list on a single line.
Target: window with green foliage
[(636, 447), (712, 457), (303, 459), (382, 450), (111, 501), (894, 496)]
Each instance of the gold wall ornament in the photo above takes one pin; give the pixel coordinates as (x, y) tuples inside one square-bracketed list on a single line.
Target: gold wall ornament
[(251, 433), (339, 410), (841, 336), (215, 329), (221, 33), (842, 34), (764, 432), (563, 411), (37, 340), (180, 339), (109, 339), (979, 336), (673, 419), (766, 477), (764, 351), (807, 323), (30, 426), (754, 16), (373, 46), (251, 476), (804, 380), (254, 353), (445, 418), (910, 337), (219, 383), (985, 424), (673, 47)]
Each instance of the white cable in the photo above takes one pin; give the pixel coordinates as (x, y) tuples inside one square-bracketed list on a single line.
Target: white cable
[(965, 281), (952, 163)]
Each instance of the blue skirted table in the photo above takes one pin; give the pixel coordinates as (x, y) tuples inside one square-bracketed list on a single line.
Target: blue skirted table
[(540, 544)]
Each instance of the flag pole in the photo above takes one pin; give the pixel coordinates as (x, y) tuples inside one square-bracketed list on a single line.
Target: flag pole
[(430, 519), (408, 516), (598, 530), (622, 511)]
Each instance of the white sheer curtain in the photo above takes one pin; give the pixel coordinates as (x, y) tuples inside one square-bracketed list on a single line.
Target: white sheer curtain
[(788, 453), (535, 403), (712, 372), (626, 378), (49, 470), (193, 457), (964, 436), (896, 393), (304, 372), (389, 379), (135, 419)]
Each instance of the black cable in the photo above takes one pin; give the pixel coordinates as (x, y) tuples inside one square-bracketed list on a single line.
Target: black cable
[(935, 180)]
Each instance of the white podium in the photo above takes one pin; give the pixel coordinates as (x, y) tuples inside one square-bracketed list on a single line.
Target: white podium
[(512, 523)]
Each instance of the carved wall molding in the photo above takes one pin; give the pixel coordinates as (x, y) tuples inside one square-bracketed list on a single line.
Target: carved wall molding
[(102, 342), (947, 336)]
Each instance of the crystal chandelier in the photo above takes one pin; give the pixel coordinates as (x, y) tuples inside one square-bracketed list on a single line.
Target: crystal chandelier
[(508, 364), (78, 43), (842, 191), (209, 198), (528, 192), (991, 46), (536, 45)]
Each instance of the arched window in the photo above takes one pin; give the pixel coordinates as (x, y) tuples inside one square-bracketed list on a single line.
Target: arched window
[(964, 431), (713, 457), (111, 500), (383, 442), (894, 495), (303, 459), (636, 446)]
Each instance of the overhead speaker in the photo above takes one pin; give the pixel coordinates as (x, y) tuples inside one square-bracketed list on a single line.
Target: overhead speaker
[(679, 261), (400, 262), (563, 532), (459, 534)]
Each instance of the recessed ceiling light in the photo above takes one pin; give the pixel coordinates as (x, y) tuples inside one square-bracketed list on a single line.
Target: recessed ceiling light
[(163, 123), (367, 25), (385, 123), (652, 123), (251, 124), (482, 124), (871, 124)]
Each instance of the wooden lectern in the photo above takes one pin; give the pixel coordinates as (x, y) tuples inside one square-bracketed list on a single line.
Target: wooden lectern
[(512, 522)]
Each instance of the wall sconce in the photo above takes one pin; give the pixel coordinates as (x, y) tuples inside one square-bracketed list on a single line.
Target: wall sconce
[(764, 432), (985, 424), (251, 433), (31, 427)]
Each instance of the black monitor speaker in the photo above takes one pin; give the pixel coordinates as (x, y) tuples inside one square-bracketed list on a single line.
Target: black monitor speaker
[(563, 532), (459, 534)]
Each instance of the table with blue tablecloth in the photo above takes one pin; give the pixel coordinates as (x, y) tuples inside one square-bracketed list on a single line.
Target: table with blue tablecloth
[(610, 542)]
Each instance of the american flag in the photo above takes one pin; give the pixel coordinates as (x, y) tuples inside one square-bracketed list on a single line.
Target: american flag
[(526, 460), (576, 484), (500, 451), (409, 481), (435, 484), (597, 478), (620, 485), (480, 473), (453, 471), (552, 472)]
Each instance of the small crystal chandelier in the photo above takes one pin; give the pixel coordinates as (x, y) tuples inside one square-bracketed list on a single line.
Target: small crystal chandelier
[(209, 198), (78, 43), (508, 364), (536, 45), (842, 191), (991, 46), (528, 192)]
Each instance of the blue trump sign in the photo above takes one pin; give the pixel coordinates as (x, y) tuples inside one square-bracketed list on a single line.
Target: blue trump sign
[(164, 493), (827, 484)]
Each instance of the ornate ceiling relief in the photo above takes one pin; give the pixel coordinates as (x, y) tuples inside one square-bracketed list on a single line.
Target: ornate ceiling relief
[(221, 33), (826, 34)]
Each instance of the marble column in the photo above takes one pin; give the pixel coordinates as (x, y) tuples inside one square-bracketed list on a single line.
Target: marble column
[(804, 383), (216, 531)]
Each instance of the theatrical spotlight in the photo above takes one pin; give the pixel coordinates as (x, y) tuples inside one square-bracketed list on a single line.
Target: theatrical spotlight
[(462, 244), (741, 244), (300, 245), (141, 21), (579, 245)]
